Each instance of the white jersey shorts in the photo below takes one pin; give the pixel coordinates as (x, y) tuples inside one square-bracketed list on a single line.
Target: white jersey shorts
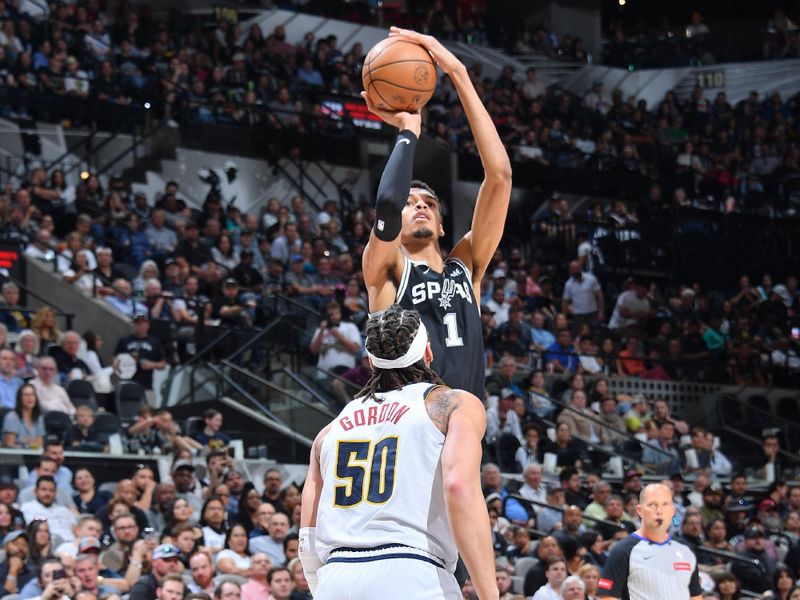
[(391, 572)]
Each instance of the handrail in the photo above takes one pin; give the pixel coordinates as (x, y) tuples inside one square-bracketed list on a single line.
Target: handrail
[(793, 457), (227, 379), (136, 143), (601, 423), (333, 375), (296, 184), (775, 417), (302, 172), (561, 510), (255, 338), (46, 301), (275, 388), (597, 447), (296, 303), (116, 131), (307, 387), (287, 431)]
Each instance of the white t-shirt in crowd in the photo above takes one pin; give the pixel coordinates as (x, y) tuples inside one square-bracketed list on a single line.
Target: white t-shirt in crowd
[(582, 293)]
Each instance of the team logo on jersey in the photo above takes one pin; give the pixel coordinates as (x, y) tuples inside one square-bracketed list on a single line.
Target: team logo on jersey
[(681, 566), (605, 584), (448, 289)]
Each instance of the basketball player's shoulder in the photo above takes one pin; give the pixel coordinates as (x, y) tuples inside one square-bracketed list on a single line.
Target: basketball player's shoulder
[(443, 401)]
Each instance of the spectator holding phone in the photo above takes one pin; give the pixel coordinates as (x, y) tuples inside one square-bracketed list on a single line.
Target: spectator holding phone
[(52, 582)]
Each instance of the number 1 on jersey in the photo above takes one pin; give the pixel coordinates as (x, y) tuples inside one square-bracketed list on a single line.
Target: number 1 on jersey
[(452, 339), (365, 467)]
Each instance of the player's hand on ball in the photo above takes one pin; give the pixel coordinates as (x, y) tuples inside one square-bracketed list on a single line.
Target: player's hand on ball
[(401, 120), (446, 60)]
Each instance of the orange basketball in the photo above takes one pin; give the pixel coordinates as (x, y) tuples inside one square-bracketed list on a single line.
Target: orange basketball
[(398, 75)]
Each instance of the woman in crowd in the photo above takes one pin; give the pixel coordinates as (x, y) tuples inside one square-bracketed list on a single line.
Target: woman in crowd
[(212, 522), (631, 502), (717, 536), (289, 497), (728, 587), (569, 451), (92, 359), (596, 552), (301, 591), (178, 512), (41, 544), (74, 247), (590, 575), (539, 399), (88, 499), (224, 253), (234, 559), (23, 427), (10, 519), (27, 351), (79, 275), (782, 583), (791, 526), (249, 501), (148, 270), (599, 391), (44, 325)]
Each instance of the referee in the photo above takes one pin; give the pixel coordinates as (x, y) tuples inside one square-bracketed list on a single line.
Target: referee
[(649, 564)]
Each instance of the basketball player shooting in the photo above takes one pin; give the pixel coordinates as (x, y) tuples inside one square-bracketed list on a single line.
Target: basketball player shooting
[(402, 262), (393, 488)]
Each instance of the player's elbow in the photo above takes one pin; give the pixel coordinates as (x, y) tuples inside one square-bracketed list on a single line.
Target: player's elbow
[(457, 488), (499, 170)]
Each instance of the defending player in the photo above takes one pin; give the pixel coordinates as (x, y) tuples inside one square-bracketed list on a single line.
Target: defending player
[(393, 486), (402, 262)]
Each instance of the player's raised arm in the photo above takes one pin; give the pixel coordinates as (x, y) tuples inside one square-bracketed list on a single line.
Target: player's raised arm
[(382, 254), (489, 216), (466, 508)]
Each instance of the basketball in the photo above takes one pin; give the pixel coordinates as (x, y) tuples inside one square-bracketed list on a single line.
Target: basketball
[(398, 75)]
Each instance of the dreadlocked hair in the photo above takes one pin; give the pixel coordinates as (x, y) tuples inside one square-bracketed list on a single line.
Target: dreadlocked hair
[(389, 335)]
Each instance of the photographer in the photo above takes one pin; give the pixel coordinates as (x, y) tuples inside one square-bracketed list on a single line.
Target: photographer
[(336, 342)]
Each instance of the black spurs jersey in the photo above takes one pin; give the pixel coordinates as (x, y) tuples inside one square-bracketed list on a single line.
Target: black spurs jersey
[(451, 314)]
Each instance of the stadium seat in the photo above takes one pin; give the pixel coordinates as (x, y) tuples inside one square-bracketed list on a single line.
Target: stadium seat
[(517, 584), (524, 564), (128, 398), (106, 425), (108, 486), (192, 425), (57, 423), (126, 271), (81, 393)]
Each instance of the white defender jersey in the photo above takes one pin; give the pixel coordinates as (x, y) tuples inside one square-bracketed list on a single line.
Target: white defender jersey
[(382, 478)]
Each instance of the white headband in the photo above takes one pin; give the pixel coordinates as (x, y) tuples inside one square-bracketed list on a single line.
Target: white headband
[(415, 352)]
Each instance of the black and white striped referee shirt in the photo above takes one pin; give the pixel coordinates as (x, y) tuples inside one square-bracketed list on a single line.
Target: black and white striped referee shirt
[(639, 569)]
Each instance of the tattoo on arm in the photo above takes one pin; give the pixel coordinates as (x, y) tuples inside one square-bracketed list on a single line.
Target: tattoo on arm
[(441, 406)]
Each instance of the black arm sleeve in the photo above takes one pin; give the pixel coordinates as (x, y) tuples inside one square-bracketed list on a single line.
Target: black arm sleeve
[(393, 187)]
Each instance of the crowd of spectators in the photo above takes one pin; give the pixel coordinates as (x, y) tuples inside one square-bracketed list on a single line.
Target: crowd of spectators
[(206, 532), (661, 43), (725, 155)]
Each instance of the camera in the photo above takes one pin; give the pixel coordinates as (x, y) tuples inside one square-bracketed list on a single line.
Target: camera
[(59, 574)]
